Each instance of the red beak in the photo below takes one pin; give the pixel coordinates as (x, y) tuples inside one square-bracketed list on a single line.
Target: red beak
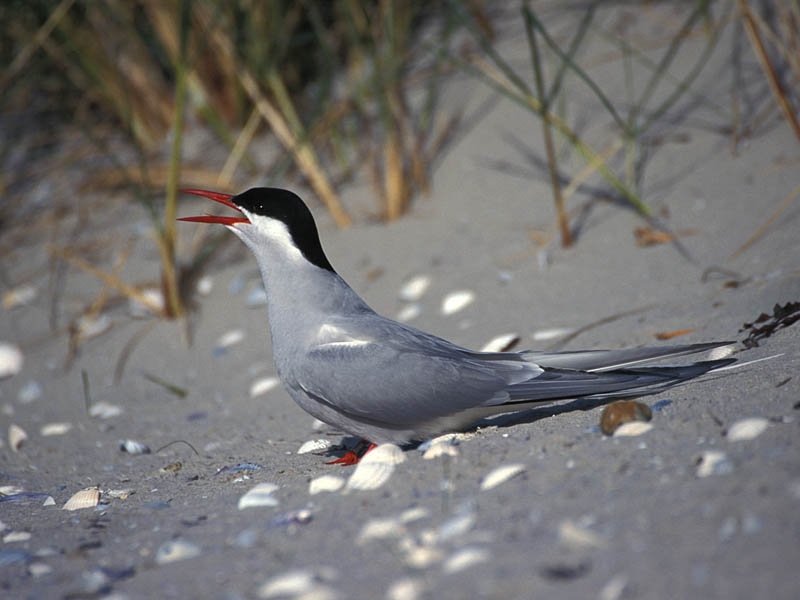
[(216, 197)]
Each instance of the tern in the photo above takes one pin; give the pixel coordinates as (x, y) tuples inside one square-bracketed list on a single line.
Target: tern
[(385, 381)]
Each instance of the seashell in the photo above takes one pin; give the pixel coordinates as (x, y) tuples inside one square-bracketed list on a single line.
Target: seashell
[(375, 468), (204, 285), (256, 296), (747, 429), (632, 429), (380, 529), (420, 556), (326, 483), (104, 410), (19, 296), (55, 429), (90, 326), (623, 411), (713, 462), (16, 436), (456, 301), (440, 449), (263, 385), (11, 490), (409, 312), (230, 338), (414, 514), (155, 300), (292, 583), (314, 446), (415, 288), (29, 392), (456, 526), (16, 536), (120, 494), (259, 495), (501, 343), (176, 550), (577, 537), (133, 447), (39, 569), (614, 588), (501, 475), (49, 501), (407, 588), (86, 498), (11, 360), (543, 335), (465, 559)]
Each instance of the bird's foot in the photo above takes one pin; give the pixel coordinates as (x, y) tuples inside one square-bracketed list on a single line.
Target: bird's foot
[(351, 457)]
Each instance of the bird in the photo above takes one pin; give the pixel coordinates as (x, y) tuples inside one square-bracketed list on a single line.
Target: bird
[(387, 382)]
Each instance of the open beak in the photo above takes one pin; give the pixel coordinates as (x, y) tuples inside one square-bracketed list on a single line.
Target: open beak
[(216, 197)]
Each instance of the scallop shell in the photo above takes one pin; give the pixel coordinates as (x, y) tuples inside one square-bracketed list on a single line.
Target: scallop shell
[(747, 429), (19, 296), (49, 429), (456, 301), (501, 343), (134, 447), (16, 436), (632, 429), (501, 475), (325, 483), (415, 288), (259, 495), (464, 559), (263, 385), (314, 446), (375, 468), (409, 312), (86, 498), (174, 550), (11, 360), (722, 352)]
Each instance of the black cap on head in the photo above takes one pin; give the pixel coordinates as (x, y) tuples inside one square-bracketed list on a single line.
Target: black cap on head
[(287, 207)]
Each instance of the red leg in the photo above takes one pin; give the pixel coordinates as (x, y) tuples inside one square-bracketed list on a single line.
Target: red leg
[(351, 457)]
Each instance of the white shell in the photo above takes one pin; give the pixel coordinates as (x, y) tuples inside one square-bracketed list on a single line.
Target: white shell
[(134, 447), (104, 410), (230, 338), (19, 296), (414, 513), (204, 285), (16, 536), (632, 429), (54, 429), (11, 360), (314, 446), (747, 429), (713, 462), (10, 490), (464, 559), (420, 556), (86, 498), (722, 352), (89, 326), (415, 288), (542, 335), (456, 301), (501, 475), (380, 529), (407, 588), (39, 569), (174, 550), (259, 495), (16, 436), (577, 537), (375, 468), (263, 385), (325, 483), (440, 449), (289, 584), (140, 310), (49, 501), (29, 392), (409, 312), (257, 296), (501, 343)]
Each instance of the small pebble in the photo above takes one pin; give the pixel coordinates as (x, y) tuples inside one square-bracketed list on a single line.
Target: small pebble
[(49, 429), (325, 483), (713, 462), (230, 338), (259, 495), (409, 312), (205, 285), (577, 537), (104, 410), (19, 296), (11, 360), (501, 475), (415, 288), (16, 536), (623, 411), (91, 326), (176, 550), (39, 569), (29, 392), (747, 429), (133, 447), (408, 588), (263, 385), (465, 558)]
